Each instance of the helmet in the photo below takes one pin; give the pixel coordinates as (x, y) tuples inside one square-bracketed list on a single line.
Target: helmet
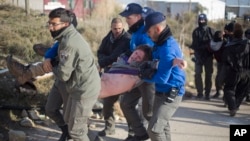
[(202, 20), (202, 17)]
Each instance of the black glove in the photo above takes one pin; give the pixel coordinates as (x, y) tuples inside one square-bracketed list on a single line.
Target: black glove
[(147, 69), (193, 58), (54, 62)]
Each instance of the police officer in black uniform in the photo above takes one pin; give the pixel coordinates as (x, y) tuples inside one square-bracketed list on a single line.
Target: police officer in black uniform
[(236, 58), (202, 36)]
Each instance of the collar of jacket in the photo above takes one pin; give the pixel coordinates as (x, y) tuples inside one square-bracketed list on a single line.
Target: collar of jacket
[(66, 30), (237, 42), (202, 27), (136, 26), (165, 34), (113, 39)]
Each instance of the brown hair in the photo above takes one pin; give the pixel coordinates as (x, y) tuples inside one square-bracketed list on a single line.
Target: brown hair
[(147, 50), (238, 31)]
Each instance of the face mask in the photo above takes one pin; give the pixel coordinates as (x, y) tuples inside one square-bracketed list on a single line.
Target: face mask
[(54, 34), (202, 24)]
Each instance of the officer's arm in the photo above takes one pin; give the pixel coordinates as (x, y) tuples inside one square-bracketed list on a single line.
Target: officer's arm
[(67, 63)]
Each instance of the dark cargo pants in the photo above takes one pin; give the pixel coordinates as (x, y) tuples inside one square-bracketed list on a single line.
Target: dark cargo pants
[(129, 102), (237, 86), (57, 97), (159, 127), (208, 65), (77, 114), (108, 111)]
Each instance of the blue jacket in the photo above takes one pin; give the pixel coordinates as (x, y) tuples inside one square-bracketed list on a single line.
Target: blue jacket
[(52, 52), (167, 75), (139, 37)]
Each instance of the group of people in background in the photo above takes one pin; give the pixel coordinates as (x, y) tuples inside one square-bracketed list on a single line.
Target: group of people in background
[(146, 54), (231, 50)]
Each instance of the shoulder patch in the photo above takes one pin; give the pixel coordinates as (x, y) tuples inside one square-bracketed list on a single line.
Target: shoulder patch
[(63, 56)]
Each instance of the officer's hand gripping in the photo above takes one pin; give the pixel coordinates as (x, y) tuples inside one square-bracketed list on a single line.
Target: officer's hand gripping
[(147, 69)]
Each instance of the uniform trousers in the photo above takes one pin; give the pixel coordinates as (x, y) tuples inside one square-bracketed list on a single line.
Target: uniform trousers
[(130, 100), (159, 127), (76, 115), (208, 65), (236, 88), (57, 97)]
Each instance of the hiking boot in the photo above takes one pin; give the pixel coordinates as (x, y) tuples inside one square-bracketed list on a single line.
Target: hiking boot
[(129, 138), (232, 112), (207, 98), (137, 138), (217, 94), (199, 96), (144, 137), (65, 133), (40, 49), (247, 98), (106, 132), (18, 70)]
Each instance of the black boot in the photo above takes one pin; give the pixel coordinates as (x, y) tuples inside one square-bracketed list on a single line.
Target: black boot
[(65, 133)]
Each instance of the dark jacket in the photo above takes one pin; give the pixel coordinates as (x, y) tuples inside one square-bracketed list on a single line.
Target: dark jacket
[(76, 65), (236, 55), (111, 48), (201, 42)]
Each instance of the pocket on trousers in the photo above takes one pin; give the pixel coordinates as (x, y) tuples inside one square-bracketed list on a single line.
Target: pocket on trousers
[(78, 127), (158, 127)]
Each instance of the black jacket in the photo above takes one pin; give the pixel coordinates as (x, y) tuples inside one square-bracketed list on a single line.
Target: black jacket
[(201, 42), (111, 48), (236, 55)]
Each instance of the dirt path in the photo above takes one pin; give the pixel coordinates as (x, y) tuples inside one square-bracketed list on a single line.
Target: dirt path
[(194, 121)]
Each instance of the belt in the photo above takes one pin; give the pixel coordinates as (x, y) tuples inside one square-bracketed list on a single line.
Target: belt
[(161, 93)]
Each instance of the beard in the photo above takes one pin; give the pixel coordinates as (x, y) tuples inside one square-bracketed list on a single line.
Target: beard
[(54, 34)]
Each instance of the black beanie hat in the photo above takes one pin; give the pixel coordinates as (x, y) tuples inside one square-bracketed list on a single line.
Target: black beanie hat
[(230, 26)]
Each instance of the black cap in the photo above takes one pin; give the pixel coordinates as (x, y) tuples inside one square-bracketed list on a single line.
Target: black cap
[(153, 19), (132, 8), (146, 11)]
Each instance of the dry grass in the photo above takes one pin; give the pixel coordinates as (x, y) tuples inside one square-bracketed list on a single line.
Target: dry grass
[(19, 32)]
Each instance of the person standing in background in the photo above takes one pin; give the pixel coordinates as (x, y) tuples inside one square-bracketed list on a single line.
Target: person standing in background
[(227, 36), (113, 45), (202, 35)]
